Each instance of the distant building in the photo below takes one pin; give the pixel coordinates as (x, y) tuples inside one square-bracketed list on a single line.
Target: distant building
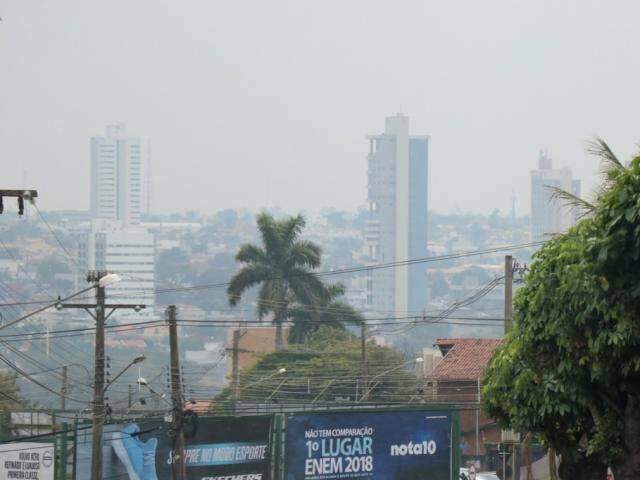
[(129, 252), (456, 379), (253, 344), (119, 176), (397, 226), (548, 214)]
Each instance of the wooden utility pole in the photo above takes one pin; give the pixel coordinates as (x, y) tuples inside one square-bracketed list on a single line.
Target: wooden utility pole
[(178, 466), (235, 369), (100, 316), (129, 398), (508, 293), (363, 354), (98, 386), (63, 389)]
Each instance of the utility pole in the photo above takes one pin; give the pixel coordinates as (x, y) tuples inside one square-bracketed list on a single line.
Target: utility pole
[(508, 293), (21, 195), (179, 467), (129, 398), (63, 389), (235, 370), (98, 386), (363, 354), (100, 279)]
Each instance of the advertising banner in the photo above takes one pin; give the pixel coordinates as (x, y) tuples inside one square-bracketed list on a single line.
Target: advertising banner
[(216, 449), (402, 445), (19, 460)]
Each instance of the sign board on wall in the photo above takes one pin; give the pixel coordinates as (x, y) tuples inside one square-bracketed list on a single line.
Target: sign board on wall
[(34, 461), (402, 445), (219, 449)]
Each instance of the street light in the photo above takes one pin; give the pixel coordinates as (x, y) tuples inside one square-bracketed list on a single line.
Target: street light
[(108, 279), (135, 361), (280, 371), (143, 382), (397, 367)]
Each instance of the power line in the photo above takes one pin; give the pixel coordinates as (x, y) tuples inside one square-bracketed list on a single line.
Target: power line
[(344, 270)]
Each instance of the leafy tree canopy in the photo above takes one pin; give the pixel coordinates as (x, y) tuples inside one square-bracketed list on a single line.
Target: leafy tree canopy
[(570, 369), (326, 368)]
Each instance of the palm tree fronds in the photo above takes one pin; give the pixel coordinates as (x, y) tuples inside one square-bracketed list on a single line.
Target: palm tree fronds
[(268, 228), (246, 278), (599, 148), (571, 200), (291, 228), (249, 253), (304, 253), (336, 290)]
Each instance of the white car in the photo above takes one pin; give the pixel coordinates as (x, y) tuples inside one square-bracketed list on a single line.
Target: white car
[(464, 475)]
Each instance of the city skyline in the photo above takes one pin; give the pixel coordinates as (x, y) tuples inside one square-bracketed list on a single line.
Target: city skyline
[(294, 113)]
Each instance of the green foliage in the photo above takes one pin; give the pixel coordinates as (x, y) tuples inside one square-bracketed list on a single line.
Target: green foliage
[(283, 268), (330, 311), (327, 366), (570, 369)]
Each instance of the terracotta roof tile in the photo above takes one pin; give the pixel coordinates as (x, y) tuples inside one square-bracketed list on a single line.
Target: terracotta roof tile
[(466, 359), (200, 406)]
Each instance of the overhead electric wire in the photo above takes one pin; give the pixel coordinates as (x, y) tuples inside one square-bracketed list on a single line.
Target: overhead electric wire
[(346, 270)]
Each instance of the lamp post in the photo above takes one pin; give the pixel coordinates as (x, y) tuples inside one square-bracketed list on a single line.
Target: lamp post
[(365, 396), (99, 280), (143, 382), (135, 361)]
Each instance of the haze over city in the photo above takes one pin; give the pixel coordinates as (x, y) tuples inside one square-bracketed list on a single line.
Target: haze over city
[(276, 98), (319, 240)]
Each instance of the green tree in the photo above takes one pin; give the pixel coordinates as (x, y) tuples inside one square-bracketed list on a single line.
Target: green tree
[(329, 311), (569, 371), (283, 267), (326, 368)]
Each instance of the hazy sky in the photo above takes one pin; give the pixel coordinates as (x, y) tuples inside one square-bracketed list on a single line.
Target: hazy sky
[(264, 103)]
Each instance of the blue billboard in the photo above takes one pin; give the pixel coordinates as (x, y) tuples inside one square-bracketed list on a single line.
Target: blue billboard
[(401, 445), (215, 449)]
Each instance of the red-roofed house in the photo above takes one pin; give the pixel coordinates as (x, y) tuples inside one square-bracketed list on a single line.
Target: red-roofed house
[(456, 379)]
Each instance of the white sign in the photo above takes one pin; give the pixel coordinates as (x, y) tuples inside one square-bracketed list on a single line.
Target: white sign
[(27, 461)]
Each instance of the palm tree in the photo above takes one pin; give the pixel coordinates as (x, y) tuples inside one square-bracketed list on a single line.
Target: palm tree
[(283, 267), (330, 312), (611, 165)]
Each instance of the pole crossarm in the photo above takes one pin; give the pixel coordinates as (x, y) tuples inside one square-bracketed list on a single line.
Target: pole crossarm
[(19, 193), (113, 306)]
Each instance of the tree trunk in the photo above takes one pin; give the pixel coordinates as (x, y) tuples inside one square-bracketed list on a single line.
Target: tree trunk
[(629, 468), (553, 468), (526, 453), (582, 467)]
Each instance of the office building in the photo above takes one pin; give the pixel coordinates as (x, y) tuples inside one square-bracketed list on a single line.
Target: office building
[(119, 176), (397, 226), (129, 252), (549, 216)]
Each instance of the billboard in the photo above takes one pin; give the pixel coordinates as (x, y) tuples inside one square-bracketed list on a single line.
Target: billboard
[(217, 449), (27, 460), (401, 445)]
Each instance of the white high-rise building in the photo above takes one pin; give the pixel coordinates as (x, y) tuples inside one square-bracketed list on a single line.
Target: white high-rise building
[(119, 176), (397, 226), (129, 252), (549, 216)]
